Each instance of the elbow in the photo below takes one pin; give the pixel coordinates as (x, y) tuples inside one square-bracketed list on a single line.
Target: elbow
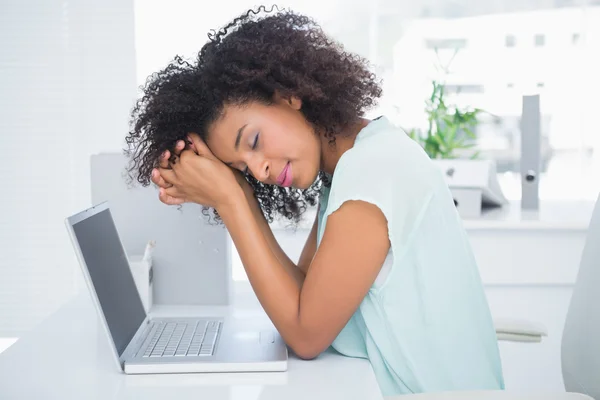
[(308, 349), (305, 354)]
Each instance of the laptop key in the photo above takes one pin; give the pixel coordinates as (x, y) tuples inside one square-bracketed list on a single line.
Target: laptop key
[(206, 351), (212, 325), (180, 340)]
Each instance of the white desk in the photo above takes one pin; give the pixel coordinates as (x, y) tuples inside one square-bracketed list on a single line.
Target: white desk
[(40, 366), (551, 215)]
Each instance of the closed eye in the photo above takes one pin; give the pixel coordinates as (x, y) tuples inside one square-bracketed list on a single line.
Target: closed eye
[(254, 145)]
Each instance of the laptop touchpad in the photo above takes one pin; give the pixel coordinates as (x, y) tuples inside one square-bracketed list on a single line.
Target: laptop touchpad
[(267, 337)]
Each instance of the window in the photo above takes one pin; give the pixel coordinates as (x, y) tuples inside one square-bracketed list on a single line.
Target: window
[(466, 88), (564, 3), (539, 40), (445, 43), (495, 77), (510, 41)]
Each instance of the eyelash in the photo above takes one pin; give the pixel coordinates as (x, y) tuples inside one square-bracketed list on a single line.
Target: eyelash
[(254, 145)]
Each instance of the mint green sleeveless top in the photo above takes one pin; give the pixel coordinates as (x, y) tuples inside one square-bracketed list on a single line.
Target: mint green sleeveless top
[(425, 324)]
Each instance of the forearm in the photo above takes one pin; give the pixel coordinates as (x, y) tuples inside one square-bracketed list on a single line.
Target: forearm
[(275, 288), (264, 227)]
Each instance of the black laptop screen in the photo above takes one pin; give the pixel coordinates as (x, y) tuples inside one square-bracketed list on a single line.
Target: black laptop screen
[(111, 277)]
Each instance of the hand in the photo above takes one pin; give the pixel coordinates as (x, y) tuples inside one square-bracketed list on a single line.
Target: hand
[(160, 182), (164, 163), (196, 175)]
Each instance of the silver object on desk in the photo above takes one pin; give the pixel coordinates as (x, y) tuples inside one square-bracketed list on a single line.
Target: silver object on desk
[(191, 260), (159, 345), (473, 184), (530, 152)]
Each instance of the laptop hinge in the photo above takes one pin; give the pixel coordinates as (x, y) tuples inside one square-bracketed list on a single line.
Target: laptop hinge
[(136, 342)]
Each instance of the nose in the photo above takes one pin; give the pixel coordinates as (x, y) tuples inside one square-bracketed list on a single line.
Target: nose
[(260, 169)]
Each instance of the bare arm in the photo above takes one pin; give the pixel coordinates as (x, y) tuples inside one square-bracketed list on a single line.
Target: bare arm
[(294, 271), (310, 248), (352, 251)]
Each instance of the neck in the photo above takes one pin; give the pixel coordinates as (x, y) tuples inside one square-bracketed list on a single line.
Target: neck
[(331, 154)]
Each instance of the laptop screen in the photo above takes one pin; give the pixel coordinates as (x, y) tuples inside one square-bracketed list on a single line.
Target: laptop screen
[(111, 277)]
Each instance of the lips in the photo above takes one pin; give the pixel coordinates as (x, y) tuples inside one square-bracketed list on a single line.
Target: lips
[(285, 177)]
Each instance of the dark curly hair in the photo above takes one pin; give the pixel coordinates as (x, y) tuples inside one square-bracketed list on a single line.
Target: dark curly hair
[(251, 59)]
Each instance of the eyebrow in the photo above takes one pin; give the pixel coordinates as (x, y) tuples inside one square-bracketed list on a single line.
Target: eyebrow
[(239, 137)]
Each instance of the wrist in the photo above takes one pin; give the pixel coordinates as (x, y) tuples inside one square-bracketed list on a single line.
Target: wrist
[(233, 199), (243, 182)]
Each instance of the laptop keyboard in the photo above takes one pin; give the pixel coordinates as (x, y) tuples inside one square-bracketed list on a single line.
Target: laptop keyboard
[(180, 339)]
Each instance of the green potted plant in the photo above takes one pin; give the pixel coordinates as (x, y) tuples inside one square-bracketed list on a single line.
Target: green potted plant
[(450, 130), (450, 141)]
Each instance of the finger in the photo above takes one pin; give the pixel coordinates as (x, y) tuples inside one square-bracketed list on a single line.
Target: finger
[(164, 159), (179, 146), (168, 175), (183, 157), (158, 180), (174, 192), (199, 145), (169, 200)]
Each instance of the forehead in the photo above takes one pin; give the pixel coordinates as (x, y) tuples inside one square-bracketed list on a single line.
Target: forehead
[(223, 131), (235, 116), (232, 118)]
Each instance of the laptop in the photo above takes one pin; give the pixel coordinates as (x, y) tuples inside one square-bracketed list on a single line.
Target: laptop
[(142, 344)]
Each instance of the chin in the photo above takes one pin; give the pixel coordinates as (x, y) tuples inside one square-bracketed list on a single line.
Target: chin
[(306, 183), (301, 187)]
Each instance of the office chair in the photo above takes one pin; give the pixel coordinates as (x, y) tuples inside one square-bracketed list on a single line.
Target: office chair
[(580, 345)]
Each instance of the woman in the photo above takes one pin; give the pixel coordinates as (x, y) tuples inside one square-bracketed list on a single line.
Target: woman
[(268, 120)]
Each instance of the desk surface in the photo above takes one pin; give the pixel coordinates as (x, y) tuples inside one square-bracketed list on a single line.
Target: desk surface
[(551, 215), (68, 357)]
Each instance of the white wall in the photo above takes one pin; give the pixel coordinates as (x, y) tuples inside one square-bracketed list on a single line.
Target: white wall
[(67, 79)]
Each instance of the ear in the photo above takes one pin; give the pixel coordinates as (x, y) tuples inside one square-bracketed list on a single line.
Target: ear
[(295, 103), (290, 101)]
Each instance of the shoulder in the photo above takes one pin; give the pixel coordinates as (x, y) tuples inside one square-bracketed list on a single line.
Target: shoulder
[(385, 160), (382, 143)]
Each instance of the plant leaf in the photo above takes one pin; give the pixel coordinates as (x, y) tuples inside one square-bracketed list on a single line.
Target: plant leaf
[(469, 133), (452, 129)]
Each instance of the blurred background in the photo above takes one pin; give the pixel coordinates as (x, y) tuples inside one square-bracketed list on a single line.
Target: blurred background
[(70, 72)]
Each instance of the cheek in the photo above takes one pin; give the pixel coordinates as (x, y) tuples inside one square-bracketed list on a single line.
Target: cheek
[(218, 150), (277, 148)]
